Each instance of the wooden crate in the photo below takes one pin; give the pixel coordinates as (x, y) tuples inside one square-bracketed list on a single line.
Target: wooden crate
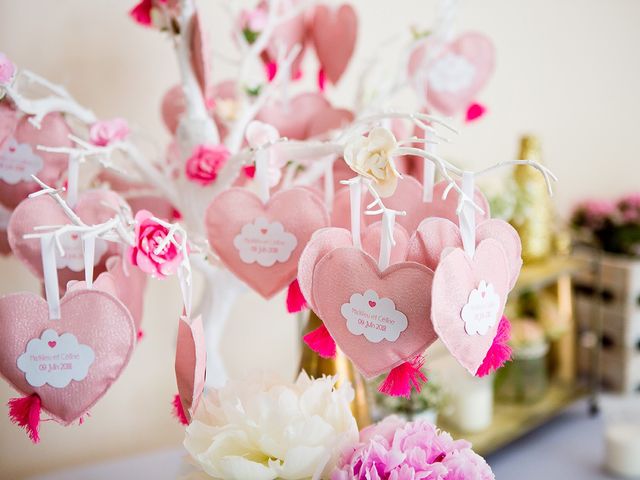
[(608, 289)]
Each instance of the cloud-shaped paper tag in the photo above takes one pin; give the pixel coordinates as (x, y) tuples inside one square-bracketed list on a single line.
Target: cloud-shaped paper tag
[(481, 311), (18, 162), (374, 317), (451, 73), (264, 243), (73, 257), (55, 360)]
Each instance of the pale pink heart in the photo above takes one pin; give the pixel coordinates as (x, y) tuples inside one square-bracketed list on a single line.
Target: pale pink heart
[(299, 211), (96, 318), (327, 120), (93, 207), (200, 55), (293, 118), (327, 239), (190, 364), (105, 283), (173, 104), (408, 198), (286, 35), (54, 132), (454, 280), (473, 53), (435, 235), (347, 270), (137, 200), (8, 121), (334, 33), (131, 284)]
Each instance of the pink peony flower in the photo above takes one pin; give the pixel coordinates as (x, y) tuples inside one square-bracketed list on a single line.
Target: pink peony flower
[(398, 450), (105, 132), (593, 213), (149, 234), (7, 69), (205, 162)]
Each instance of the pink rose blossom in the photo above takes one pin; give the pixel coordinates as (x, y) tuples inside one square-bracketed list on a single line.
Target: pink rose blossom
[(149, 234), (7, 69), (141, 13), (205, 162), (398, 450), (105, 132)]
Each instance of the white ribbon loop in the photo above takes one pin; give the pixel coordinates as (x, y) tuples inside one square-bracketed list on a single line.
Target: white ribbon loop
[(386, 238), (262, 172), (73, 172), (428, 180), (355, 198), (89, 252), (50, 272), (328, 183), (467, 214)]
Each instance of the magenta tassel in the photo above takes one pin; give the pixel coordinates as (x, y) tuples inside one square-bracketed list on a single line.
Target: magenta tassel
[(321, 342), (322, 80), (25, 412), (500, 352), (403, 378), (295, 299), (178, 411), (475, 111)]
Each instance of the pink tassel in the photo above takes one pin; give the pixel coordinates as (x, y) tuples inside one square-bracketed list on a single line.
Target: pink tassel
[(475, 111), (295, 299), (272, 69), (25, 412), (500, 351), (322, 80), (250, 171), (178, 411), (321, 342), (403, 378), (140, 335)]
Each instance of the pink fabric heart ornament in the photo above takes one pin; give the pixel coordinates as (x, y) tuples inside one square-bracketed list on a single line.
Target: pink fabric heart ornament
[(380, 320), (334, 32), (19, 158), (200, 55), (468, 299), (327, 239), (261, 243), (408, 197), (93, 206), (75, 380), (190, 364), (456, 74), (130, 283), (435, 235)]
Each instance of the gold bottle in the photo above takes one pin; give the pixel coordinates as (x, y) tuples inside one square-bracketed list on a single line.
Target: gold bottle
[(534, 213), (340, 365)]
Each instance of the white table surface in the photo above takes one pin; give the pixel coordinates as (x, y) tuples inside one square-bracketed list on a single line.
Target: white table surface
[(569, 448)]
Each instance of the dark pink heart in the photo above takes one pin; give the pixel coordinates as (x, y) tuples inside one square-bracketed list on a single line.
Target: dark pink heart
[(455, 279), (52, 344), (95, 318), (54, 132), (334, 32), (93, 207), (298, 210), (346, 271)]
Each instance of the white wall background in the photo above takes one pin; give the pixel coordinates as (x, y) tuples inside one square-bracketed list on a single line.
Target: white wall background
[(568, 71)]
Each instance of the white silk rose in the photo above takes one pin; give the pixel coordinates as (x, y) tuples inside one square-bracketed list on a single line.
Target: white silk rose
[(372, 157), (267, 430)]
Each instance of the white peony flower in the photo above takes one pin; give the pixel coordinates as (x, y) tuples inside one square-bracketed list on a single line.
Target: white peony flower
[(263, 430), (372, 157)]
